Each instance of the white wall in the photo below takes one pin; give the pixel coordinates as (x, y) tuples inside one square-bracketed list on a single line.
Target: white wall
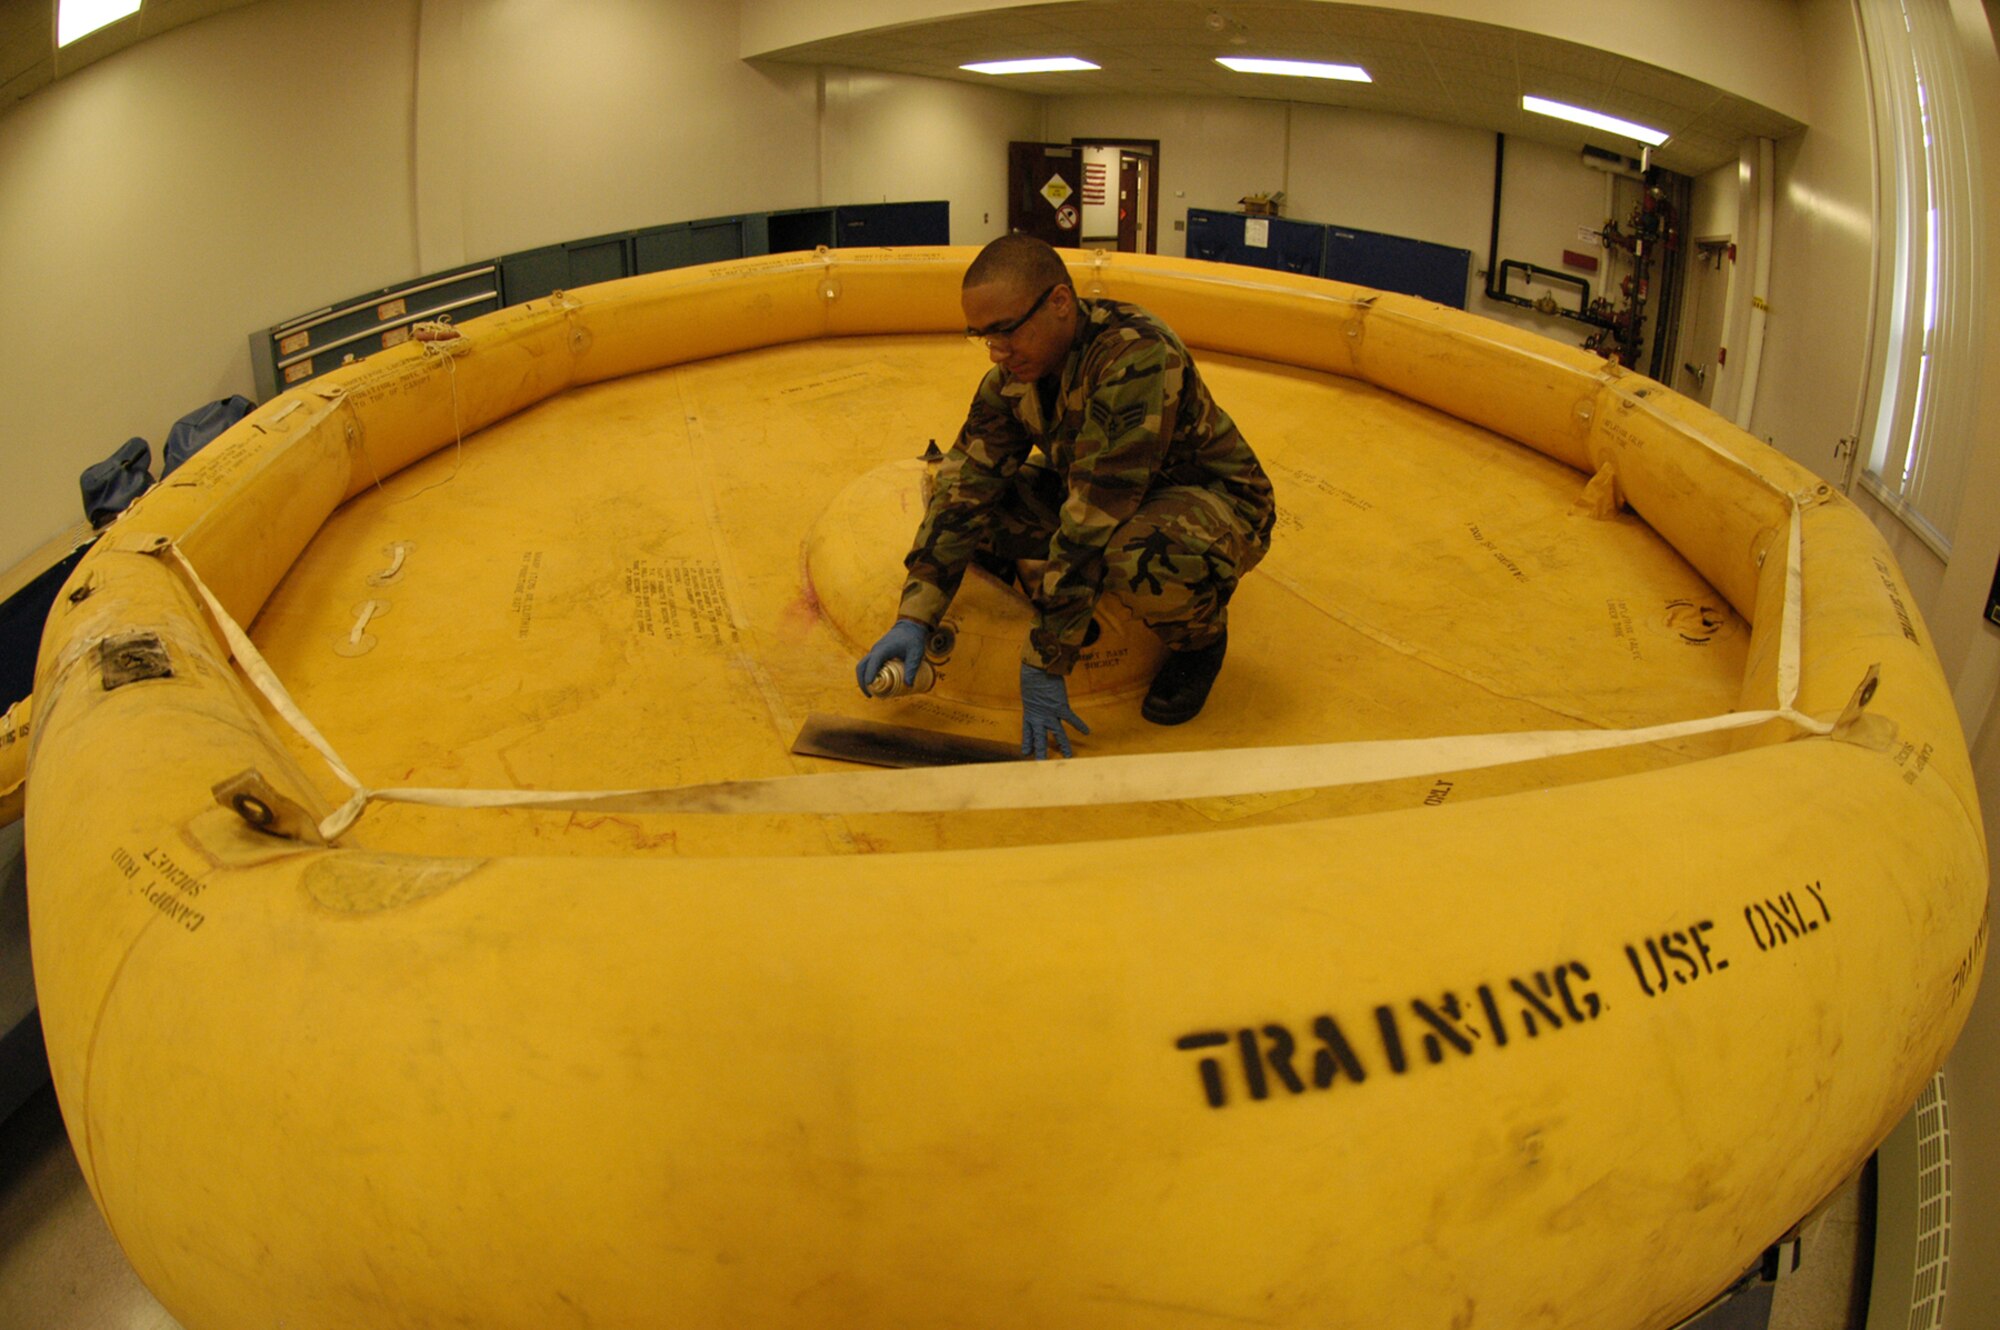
[(1816, 355), (1213, 151), (1547, 198), (893, 137), (1333, 163), (1714, 212), (585, 118), (1440, 176), (1816, 334), (1748, 47), (1100, 219), (159, 205), (1970, 647)]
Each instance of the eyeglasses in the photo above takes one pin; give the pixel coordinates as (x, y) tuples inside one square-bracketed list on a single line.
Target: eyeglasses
[(1004, 332)]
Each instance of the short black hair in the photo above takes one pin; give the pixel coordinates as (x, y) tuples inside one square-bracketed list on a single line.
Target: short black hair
[(1025, 261)]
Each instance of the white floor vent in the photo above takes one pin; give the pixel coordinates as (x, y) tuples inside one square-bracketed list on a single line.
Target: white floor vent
[(1913, 1218), (1933, 1208)]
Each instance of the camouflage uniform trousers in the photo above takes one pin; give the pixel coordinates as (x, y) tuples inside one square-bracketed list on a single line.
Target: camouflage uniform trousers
[(1175, 563)]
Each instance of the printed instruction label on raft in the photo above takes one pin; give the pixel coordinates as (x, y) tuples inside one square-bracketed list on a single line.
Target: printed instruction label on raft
[(1486, 543), (526, 579), (1621, 627), (163, 884), (221, 461), (386, 381), (834, 383), (1896, 601), (1252, 1062), (1913, 758), (1326, 487), (1969, 964), (680, 599)]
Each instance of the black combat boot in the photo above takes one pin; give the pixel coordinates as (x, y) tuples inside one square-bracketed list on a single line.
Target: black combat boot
[(1181, 686)]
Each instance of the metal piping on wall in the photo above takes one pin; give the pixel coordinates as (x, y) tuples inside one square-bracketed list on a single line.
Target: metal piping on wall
[(1496, 271)]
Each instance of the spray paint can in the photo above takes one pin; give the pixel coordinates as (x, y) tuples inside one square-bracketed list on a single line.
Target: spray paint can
[(891, 683)]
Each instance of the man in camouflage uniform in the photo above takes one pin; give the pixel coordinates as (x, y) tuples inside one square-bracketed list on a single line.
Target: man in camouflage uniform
[(1143, 488)]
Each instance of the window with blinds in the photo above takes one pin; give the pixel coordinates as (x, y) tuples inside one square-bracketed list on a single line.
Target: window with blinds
[(1927, 159)]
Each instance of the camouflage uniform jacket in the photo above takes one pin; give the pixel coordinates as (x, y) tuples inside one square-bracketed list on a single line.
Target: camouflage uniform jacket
[(1127, 414)]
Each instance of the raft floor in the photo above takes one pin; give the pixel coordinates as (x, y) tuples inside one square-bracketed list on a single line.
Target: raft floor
[(608, 591)]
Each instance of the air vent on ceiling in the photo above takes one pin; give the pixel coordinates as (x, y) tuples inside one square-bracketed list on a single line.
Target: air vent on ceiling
[(1600, 159)]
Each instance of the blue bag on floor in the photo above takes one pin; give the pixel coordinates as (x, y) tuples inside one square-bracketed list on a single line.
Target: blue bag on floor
[(110, 486), (197, 427)]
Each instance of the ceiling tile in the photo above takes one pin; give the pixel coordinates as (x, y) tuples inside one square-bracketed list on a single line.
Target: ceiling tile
[(1429, 66)]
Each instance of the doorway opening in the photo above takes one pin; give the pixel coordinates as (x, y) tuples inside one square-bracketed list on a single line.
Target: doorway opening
[(1702, 319), (1121, 194)]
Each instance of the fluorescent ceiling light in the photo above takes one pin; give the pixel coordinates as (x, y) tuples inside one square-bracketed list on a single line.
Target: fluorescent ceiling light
[(80, 18), (1054, 64), (1594, 119), (1306, 69)]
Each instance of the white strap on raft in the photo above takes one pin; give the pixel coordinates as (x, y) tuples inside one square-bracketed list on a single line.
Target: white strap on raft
[(1129, 778)]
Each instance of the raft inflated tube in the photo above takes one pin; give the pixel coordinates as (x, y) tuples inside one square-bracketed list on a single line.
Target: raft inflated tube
[(15, 729), (1431, 1067)]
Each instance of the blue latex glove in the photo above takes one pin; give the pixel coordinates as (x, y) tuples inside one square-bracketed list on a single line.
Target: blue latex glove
[(1044, 709), (906, 640)]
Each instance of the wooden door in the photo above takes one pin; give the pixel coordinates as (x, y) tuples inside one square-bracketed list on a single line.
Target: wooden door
[(1045, 192), (1129, 205)]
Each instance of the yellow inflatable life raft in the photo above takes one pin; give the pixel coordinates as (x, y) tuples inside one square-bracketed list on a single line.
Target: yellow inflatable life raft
[(1576, 873)]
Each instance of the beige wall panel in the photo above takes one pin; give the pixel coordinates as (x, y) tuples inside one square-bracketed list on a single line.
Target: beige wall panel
[(1549, 197), (1717, 196), (1213, 150), (1718, 208), (892, 138), (1970, 648), (1816, 332), (1749, 47), (158, 205), (1391, 173), (584, 119), (1387, 173)]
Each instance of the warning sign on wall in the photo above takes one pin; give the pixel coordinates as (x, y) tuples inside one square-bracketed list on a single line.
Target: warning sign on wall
[(1066, 217), (1057, 191)]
